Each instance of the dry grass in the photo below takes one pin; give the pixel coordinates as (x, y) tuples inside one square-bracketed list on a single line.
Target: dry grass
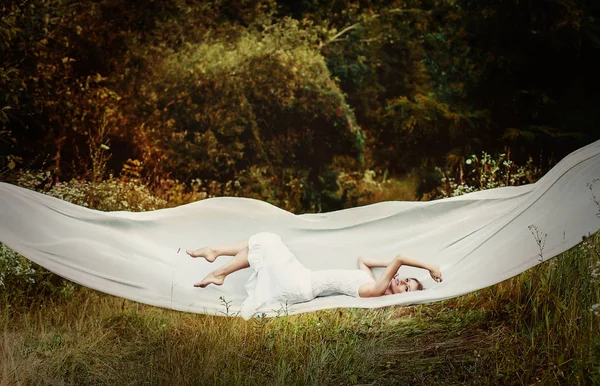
[(536, 327)]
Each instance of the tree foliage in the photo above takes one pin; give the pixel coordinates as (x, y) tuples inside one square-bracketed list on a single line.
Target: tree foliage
[(303, 91), (266, 98)]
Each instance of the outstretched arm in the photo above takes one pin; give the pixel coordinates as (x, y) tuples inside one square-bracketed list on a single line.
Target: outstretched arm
[(366, 263), (381, 284)]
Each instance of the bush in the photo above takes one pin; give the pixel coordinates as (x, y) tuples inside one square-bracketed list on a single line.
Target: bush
[(23, 282), (486, 172), (263, 100), (108, 195)]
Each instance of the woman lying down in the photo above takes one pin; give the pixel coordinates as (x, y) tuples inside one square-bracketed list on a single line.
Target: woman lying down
[(279, 278)]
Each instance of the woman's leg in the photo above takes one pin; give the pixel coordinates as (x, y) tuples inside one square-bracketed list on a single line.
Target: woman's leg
[(211, 254), (216, 277)]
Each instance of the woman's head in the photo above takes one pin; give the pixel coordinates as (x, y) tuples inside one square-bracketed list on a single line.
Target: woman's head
[(398, 285)]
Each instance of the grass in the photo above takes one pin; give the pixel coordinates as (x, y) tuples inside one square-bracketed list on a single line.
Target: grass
[(537, 328)]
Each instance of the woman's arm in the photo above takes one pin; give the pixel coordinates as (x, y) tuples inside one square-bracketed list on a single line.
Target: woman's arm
[(366, 263), (382, 283)]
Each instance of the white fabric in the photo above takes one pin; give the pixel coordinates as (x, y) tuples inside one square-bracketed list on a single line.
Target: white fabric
[(338, 282), (277, 280), (478, 239)]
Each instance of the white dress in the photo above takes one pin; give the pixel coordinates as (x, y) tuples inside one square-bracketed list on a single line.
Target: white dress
[(279, 280)]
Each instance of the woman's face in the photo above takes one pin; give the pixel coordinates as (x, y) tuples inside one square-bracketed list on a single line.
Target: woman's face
[(398, 285)]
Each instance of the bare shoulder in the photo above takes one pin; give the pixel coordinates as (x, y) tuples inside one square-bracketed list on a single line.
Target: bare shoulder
[(368, 290)]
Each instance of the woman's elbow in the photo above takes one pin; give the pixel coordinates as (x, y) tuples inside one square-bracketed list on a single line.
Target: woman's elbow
[(380, 292), (379, 289), (370, 290)]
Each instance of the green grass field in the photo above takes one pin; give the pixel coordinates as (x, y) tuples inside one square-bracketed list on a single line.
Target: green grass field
[(538, 328)]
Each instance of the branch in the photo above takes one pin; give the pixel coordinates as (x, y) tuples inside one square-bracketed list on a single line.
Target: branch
[(336, 36), (350, 28)]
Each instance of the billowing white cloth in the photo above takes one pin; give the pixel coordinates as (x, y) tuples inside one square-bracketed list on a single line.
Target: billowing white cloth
[(478, 239)]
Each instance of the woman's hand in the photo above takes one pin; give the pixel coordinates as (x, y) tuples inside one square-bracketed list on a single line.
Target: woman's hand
[(436, 274)]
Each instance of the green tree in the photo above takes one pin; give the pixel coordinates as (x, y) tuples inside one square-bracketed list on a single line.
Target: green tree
[(266, 98)]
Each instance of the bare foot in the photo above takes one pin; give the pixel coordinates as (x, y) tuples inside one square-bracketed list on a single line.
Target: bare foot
[(208, 253), (211, 278)]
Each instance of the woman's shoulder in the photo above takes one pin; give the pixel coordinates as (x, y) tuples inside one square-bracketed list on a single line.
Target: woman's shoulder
[(368, 290)]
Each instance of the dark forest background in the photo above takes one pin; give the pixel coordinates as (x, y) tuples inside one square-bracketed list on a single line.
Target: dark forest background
[(294, 102)]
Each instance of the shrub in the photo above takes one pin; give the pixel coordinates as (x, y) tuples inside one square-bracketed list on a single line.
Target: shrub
[(23, 282), (262, 100), (486, 172)]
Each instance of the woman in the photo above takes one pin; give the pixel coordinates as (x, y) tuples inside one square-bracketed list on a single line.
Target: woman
[(279, 278)]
